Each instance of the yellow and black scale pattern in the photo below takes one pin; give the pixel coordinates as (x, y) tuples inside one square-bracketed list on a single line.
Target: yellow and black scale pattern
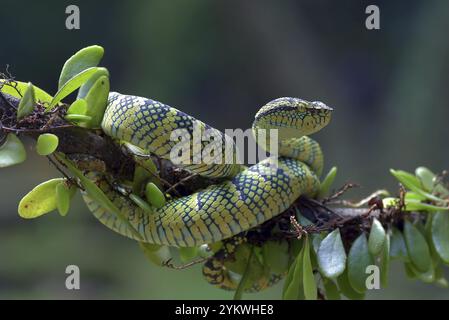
[(248, 198)]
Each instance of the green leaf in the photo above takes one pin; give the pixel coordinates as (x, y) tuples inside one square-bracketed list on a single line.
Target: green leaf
[(440, 235), (346, 288), (39, 94), (416, 205), (154, 195), (376, 238), (332, 292), (385, 262), (77, 118), (74, 83), (40, 200), (294, 282), (295, 247), (27, 103), (398, 249), (327, 183), (97, 99), (407, 179), (275, 255), (140, 177), (64, 195), (427, 276), (79, 106), (12, 151), (83, 59), (332, 255), (245, 278), (439, 188), (155, 253), (289, 279), (417, 247), (46, 144), (141, 203), (413, 183), (188, 253), (358, 260), (316, 241), (411, 196), (84, 89), (310, 288), (426, 177)]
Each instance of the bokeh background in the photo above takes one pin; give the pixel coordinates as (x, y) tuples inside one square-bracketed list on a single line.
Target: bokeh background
[(220, 61)]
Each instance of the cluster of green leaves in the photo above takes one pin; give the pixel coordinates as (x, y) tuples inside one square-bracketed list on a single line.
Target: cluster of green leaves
[(79, 72), (421, 243)]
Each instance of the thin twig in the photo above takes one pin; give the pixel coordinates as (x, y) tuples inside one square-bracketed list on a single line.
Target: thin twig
[(182, 181), (340, 192), (170, 265)]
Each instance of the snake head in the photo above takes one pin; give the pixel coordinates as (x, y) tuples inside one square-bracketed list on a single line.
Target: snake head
[(293, 117)]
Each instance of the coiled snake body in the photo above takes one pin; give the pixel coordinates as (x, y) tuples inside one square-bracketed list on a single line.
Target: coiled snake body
[(248, 196)]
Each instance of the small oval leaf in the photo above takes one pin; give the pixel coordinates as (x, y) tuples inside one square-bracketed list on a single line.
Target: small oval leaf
[(141, 203), (12, 151), (332, 255), (27, 103), (358, 260), (154, 195), (64, 195), (426, 177), (376, 238), (77, 118), (83, 59), (398, 249), (47, 143), (440, 235), (417, 247), (40, 200), (97, 99)]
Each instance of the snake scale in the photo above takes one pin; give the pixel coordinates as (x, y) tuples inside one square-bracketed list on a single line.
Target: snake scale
[(247, 197)]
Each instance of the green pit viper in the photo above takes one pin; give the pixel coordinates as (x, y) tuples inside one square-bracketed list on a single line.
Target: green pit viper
[(247, 197)]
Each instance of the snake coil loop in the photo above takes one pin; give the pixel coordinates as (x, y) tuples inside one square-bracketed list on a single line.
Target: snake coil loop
[(247, 198)]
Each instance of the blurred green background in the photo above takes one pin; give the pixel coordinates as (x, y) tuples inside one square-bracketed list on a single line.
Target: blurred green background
[(220, 61)]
